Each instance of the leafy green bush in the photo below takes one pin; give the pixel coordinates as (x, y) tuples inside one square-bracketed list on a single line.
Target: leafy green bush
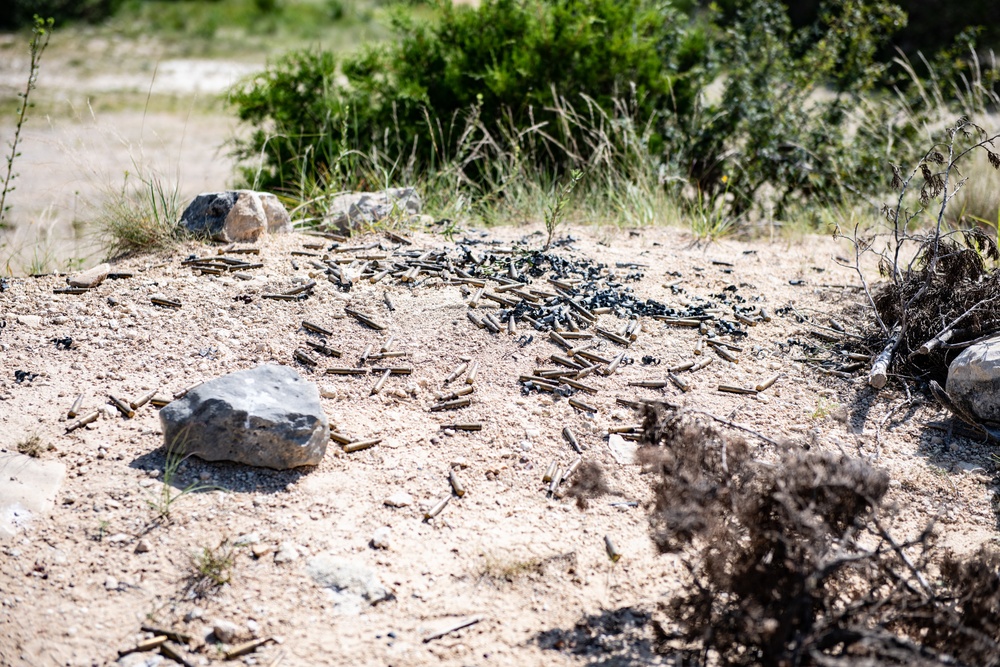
[(507, 63), (535, 89)]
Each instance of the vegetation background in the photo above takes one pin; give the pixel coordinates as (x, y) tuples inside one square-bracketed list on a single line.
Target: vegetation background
[(741, 116)]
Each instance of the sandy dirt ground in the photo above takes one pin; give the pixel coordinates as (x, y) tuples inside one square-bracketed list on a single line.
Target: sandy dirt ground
[(79, 582)]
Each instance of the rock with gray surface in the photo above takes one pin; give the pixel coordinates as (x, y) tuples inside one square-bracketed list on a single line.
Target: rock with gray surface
[(346, 577), (28, 488), (353, 210), (974, 380), (235, 215), (266, 416)]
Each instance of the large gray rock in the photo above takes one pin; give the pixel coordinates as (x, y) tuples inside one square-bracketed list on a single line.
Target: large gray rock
[(236, 215), (974, 380), (28, 488), (266, 416), (351, 211)]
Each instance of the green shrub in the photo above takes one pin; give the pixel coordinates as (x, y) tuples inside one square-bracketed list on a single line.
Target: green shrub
[(508, 64), (535, 89)]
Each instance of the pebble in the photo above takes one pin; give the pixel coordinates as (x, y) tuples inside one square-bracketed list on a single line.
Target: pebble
[(525, 446), (33, 321), (119, 538), (399, 499), (194, 614), (287, 552), (225, 631), (111, 584), (381, 537), (143, 546)]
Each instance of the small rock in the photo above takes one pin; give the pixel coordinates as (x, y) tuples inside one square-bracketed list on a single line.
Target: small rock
[(343, 575), (622, 450), (399, 499), (225, 631), (974, 380), (33, 321), (253, 627), (381, 537), (350, 211), (194, 614), (247, 539), (118, 538), (111, 584), (525, 446), (140, 660), (91, 277), (235, 215), (287, 552), (260, 550), (143, 546)]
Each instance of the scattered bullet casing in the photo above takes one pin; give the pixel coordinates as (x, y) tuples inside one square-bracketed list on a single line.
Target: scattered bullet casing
[(381, 382), (511, 326), (679, 383), (572, 468), (565, 361), (707, 361), (687, 365), (452, 405), (122, 406), (142, 400), (580, 405), (387, 345), (613, 366), (457, 372), (315, 328), (364, 319), (579, 385), (730, 389), (437, 508), (557, 477), (474, 301), (456, 484), (159, 401), (358, 445), (547, 477), (346, 371), (722, 352), (75, 409), (461, 391), (395, 370), (166, 303), (609, 546), (323, 349), (475, 319), (341, 438), (571, 439), (364, 355), (466, 426), (470, 377), (766, 384), (649, 384), (303, 358), (83, 421)]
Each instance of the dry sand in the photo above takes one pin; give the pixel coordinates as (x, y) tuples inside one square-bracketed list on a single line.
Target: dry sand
[(74, 590)]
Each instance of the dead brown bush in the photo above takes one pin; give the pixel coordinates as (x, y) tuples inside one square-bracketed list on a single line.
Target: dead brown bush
[(791, 565)]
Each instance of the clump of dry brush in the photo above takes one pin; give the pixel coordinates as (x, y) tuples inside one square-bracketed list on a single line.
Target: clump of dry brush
[(791, 564), (940, 290)]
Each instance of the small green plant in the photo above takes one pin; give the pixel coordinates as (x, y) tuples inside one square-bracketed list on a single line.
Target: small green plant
[(554, 214), (824, 408), (710, 221), (141, 216), (31, 446), (212, 567), (163, 504), (102, 529), (40, 35)]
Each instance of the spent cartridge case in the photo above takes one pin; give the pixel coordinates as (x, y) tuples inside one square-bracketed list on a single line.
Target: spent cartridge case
[(571, 439), (456, 484), (547, 477), (323, 349), (315, 328), (358, 445), (465, 401), (613, 552), (580, 405), (142, 400), (766, 384), (122, 406), (75, 408), (83, 421), (437, 508)]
